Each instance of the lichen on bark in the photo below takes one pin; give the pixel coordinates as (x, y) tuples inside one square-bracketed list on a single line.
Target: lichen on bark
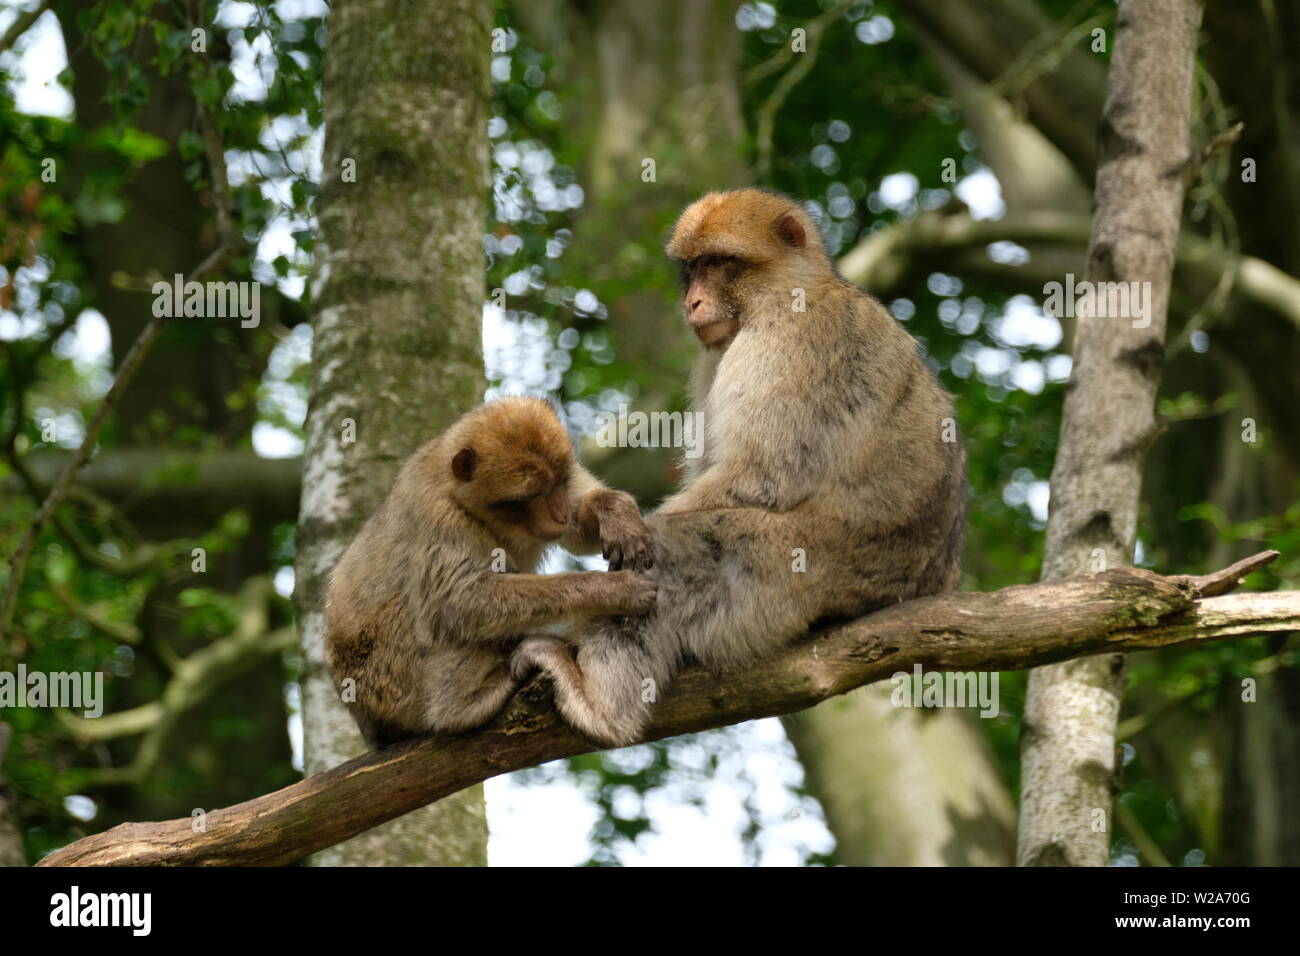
[(396, 300), (1068, 761)]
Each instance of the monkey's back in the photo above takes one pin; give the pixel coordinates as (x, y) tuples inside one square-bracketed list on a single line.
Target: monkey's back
[(882, 517), (898, 492), (385, 630)]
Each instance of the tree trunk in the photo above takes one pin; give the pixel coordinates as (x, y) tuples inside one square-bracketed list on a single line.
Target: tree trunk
[(904, 786), (1068, 735), (396, 354)]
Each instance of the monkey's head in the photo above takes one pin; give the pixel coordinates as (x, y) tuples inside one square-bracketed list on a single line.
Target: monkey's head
[(737, 250), (510, 463)]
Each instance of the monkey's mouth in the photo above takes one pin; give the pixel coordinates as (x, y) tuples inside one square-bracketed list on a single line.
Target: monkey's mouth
[(712, 331)]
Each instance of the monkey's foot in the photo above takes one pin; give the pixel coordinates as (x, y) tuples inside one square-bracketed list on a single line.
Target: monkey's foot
[(554, 659), (539, 652)]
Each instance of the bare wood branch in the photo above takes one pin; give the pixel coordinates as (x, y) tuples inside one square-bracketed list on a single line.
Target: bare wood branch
[(1220, 140), (1019, 627)]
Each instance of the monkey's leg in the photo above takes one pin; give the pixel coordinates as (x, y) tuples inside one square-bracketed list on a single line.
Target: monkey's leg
[(479, 706), (729, 595), (606, 694), (718, 602)]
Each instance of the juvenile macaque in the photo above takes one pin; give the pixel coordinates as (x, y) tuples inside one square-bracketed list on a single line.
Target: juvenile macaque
[(831, 482), (428, 602)]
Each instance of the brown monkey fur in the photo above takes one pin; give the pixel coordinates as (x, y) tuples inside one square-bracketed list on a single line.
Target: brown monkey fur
[(824, 442), (416, 614)]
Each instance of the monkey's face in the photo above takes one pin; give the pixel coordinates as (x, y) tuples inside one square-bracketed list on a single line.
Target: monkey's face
[(545, 514), (513, 469), (738, 250), (523, 497), (711, 299)]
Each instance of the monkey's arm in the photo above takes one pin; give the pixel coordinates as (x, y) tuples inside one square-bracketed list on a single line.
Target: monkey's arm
[(500, 605), (608, 521)]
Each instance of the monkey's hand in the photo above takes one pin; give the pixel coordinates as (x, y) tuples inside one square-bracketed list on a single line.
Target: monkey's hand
[(632, 592), (624, 538)]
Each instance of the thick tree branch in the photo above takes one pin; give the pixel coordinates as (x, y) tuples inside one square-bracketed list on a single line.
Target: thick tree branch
[(882, 262), (1019, 627)]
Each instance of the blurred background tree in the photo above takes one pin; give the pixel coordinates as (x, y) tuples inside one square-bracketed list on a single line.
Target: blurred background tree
[(948, 151)]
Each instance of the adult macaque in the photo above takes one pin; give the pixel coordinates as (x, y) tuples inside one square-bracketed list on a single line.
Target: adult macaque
[(832, 481), (429, 600)]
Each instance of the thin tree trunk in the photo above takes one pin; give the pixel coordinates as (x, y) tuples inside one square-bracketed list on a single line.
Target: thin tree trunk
[(904, 786), (1068, 735), (396, 354)]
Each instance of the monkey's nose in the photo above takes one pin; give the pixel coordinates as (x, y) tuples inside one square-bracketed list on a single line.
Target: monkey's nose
[(695, 305)]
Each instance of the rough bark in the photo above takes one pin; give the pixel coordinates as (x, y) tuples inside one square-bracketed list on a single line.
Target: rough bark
[(1068, 734), (1018, 627), (397, 299)]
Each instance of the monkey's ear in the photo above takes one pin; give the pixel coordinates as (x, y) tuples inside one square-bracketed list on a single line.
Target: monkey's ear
[(790, 230), (462, 466)]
